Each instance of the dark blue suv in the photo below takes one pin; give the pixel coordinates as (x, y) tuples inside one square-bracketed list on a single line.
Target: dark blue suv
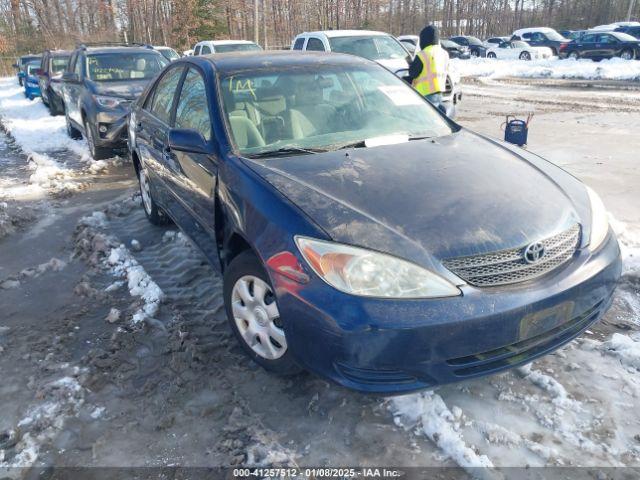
[(99, 84), (362, 234)]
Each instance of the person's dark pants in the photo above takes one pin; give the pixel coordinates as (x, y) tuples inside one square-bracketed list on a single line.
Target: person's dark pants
[(435, 99)]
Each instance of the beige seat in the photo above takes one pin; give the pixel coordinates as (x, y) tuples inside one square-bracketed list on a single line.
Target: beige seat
[(245, 132)]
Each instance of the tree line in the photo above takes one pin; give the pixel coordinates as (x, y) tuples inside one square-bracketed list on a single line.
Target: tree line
[(33, 25)]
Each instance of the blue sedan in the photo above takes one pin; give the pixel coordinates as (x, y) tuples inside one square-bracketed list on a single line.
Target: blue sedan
[(361, 234)]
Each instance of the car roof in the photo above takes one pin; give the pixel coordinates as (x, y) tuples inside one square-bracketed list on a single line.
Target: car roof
[(59, 53), (229, 62), (534, 29), (227, 42), (117, 49), (345, 33)]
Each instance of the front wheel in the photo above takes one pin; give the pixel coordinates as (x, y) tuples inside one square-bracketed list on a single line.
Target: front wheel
[(525, 56), (475, 53), (154, 213), (253, 314), (627, 54), (491, 55), (574, 55), (98, 153)]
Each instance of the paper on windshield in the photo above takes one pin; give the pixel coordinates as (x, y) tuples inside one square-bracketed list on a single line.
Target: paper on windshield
[(386, 140), (400, 96)]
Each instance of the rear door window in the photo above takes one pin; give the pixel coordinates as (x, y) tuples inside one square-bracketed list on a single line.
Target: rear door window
[(192, 110), (206, 50), (164, 94), (299, 43), (315, 44)]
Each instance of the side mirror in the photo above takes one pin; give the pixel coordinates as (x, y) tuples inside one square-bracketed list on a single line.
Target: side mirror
[(71, 77), (187, 140)]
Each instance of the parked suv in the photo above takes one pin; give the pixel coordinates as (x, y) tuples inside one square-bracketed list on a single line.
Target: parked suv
[(54, 63), (99, 84), (543, 37)]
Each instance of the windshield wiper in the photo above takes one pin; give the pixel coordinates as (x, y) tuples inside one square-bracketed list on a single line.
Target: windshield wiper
[(286, 150), (343, 146)]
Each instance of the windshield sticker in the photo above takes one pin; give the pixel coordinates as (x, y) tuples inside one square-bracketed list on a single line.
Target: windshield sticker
[(400, 96), (239, 85)]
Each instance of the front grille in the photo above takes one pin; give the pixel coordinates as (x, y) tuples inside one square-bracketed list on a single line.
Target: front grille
[(509, 266), (524, 350), (375, 376)]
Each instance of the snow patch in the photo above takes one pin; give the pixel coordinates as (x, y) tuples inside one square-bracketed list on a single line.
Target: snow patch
[(428, 415), (612, 69), (625, 348), (139, 282)]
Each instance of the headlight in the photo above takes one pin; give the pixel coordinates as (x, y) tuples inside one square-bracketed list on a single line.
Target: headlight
[(108, 102), (599, 220), (371, 274)]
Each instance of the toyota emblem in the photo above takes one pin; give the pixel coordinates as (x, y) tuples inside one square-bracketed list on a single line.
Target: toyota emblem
[(534, 252)]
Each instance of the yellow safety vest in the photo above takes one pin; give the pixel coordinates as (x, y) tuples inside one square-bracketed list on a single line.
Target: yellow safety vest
[(433, 76)]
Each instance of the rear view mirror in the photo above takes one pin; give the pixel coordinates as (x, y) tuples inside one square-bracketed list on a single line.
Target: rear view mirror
[(187, 140)]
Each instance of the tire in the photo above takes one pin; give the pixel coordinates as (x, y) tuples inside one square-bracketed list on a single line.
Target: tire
[(98, 153), (72, 131), (491, 55), (627, 54), (19, 81), (475, 53), (154, 213), (525, 56), (254, 317), (554, 51), (574, 55)]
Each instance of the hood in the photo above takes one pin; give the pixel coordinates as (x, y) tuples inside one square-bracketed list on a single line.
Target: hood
[(394, 64), (453, 196), (128, 89), (429, 36)]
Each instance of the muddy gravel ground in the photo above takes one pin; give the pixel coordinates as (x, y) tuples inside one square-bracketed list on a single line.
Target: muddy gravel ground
[(82, 383)]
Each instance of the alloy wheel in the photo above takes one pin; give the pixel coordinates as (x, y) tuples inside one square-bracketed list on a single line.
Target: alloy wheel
[(627, 55), (257, 317)]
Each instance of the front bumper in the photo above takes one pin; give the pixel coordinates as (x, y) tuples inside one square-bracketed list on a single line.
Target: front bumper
[(396, 346), (111, 128), (31, 90)]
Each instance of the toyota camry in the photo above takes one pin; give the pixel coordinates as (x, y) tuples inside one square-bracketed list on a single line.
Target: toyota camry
[(362, 235)]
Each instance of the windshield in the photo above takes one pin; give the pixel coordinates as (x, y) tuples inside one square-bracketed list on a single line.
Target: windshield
[(379, 47), (553, 35), (237, 47), (168, 53), (449, 44), (111, 67), (323, 107), (58, 64), (31, 67)]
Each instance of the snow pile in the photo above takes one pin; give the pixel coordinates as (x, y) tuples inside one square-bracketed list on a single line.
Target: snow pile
[(427, 413), (140, 283), (625, 348), (613, 69), (62, 398)]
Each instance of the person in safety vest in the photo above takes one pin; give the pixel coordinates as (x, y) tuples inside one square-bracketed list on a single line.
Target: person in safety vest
[(428, 71)]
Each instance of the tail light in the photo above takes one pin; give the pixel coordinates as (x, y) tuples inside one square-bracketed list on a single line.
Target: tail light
[(563, 46)]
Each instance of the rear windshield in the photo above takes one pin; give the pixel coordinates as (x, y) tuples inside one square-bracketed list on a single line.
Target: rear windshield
[(237, 47), (624, 37), (58, 64), (113, 67), (555, 36), (474, 41), (379, 47)]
